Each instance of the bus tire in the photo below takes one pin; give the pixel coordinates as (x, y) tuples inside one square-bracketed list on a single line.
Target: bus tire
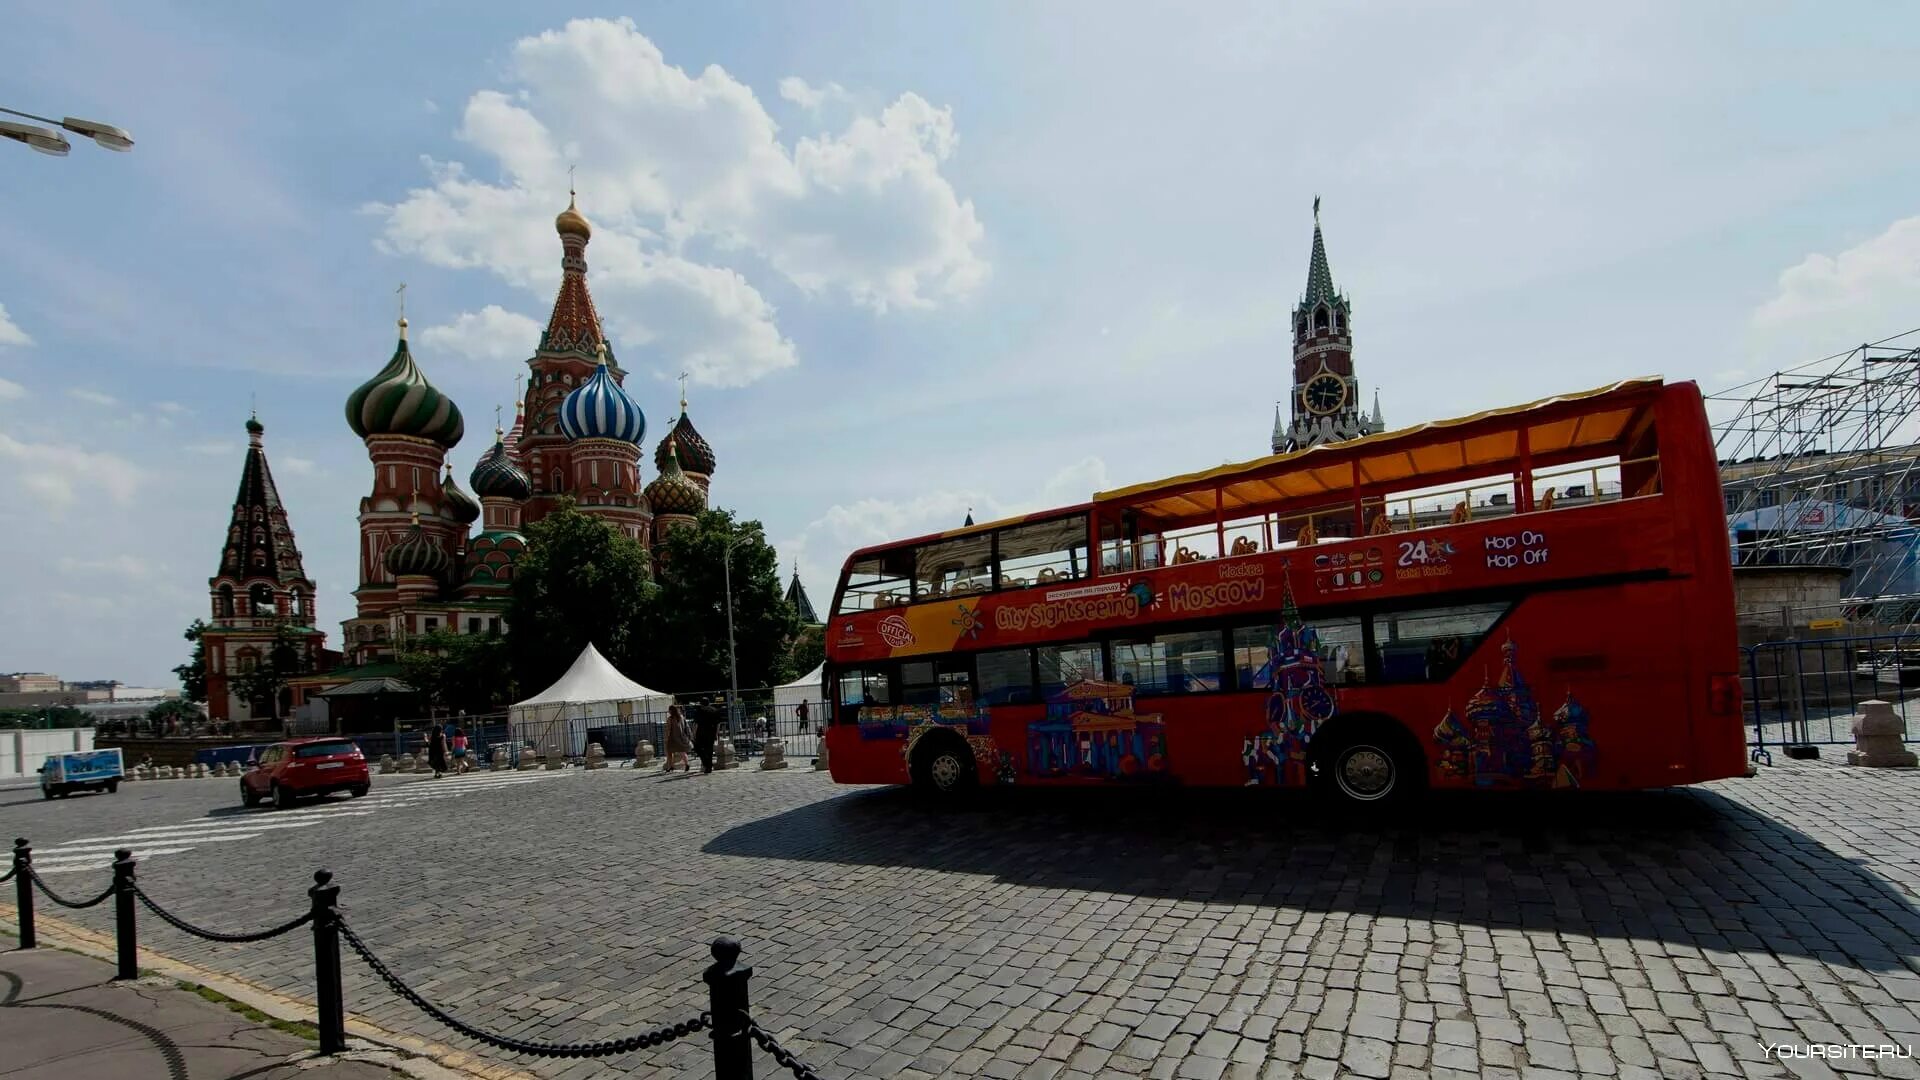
[(1369, 762), (943, 766)]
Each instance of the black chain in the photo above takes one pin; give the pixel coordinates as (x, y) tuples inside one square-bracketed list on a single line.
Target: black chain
[(644, 1040), (237, 939), (784, 1057), (9, 876), (63, 901)]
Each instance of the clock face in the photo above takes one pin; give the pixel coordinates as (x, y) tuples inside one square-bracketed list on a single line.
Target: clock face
[(1324, 394)]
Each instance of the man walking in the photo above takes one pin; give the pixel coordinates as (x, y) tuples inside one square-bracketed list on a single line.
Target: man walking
[(706, 724)]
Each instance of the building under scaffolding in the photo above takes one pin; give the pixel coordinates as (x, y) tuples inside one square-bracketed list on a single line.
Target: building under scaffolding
[(1820, 465)]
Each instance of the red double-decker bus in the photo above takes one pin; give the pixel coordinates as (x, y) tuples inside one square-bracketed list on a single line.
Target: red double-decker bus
[(1532, 597)]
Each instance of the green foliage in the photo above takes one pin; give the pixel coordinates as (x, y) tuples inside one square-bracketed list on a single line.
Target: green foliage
[(193, 673), (458, 672), (174, 709), (46, 716), (686, 629), (286, 658), (580, 581), (809, 651)]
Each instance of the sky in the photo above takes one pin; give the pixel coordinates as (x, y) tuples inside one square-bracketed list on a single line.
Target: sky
[(916, 260)]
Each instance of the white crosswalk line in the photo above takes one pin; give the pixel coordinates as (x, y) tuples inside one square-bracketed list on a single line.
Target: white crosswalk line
[(67, 854), (183, 836), (77, 866)]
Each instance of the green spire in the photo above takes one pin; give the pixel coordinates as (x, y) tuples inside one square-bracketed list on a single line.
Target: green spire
[(1319, 274)]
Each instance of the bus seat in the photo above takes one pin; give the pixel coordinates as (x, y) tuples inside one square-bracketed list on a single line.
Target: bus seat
[(1244, 546), (1546, 501), (1049, 574), (1381, 525), (1462, 514)]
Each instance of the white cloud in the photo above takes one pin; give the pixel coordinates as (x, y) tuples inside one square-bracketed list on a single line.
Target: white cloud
[(173, 407), (797, 90), (11, 391), (92, 397), (667, 158), (126, 566), (53, 476), (298, 465), (1871, 280), (10, 332), (492, 333), (210, 448)]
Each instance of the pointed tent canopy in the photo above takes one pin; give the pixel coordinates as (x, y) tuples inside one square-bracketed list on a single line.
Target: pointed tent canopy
[(806, 689), (591, 680), (592, 694)]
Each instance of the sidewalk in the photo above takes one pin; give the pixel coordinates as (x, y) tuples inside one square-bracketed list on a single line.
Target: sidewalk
[(62, 1017)]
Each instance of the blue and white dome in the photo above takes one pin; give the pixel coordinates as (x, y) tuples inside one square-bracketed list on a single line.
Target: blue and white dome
[(600, 409)]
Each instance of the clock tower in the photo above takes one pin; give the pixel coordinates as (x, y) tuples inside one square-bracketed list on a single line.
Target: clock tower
[(1325, 405)]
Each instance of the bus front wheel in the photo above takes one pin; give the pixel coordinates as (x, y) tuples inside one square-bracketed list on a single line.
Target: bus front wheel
[(1375, 764), (944, 767)]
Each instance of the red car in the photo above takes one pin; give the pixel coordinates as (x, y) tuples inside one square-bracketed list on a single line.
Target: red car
[(300, 767)]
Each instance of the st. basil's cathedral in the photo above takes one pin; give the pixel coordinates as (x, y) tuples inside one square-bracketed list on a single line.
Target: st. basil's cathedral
[(576, 433)]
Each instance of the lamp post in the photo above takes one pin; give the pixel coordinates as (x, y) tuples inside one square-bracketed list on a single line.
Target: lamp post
[(49, 141), (733, 667)]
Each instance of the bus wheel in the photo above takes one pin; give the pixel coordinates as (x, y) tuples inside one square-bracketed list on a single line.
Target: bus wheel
[(944, 767), (1374, 765)]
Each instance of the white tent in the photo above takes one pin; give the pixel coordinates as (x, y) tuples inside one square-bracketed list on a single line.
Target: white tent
[(592, 694), (806, 689)]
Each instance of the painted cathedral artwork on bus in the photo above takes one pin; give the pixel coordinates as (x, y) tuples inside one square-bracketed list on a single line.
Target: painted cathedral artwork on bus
[(1504, 739), (1301, 701), (1091, 730)]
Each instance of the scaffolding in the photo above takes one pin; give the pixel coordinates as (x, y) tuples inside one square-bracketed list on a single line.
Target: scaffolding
[(1820, 464)]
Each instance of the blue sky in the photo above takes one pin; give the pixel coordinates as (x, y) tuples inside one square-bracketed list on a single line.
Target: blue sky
[(918, 259)]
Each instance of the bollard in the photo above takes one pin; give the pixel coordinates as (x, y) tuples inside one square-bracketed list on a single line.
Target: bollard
[(326, 962), (727, 1003), (127, 947), (23, 889)]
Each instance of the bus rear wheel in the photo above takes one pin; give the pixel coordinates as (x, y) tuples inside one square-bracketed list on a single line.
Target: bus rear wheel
[(943, 767), (1374, 765)]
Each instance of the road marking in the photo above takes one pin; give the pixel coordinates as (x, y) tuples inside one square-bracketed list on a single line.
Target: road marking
[(74, 866), (68, 854)]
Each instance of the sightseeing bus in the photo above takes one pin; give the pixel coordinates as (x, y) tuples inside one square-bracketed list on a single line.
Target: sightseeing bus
[(1536, 597)]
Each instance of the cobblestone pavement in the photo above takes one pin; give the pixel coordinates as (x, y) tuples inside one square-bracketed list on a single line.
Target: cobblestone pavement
[(1061, 934)]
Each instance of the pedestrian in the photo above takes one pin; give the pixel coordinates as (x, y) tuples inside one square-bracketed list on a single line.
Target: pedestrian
[(679, 742), (437, 750), (706, 724), (459, 749), (800, 717)]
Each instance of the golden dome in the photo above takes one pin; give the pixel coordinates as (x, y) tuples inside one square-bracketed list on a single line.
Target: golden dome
[(571, 221)]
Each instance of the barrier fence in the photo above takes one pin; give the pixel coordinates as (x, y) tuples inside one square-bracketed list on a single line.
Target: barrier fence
[(728, 1018), (795, 727), (1806, 692)]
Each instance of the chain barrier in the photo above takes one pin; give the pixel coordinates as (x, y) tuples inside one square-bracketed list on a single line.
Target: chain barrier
[(184, 926), (644, 1040), (8, 876), (781, 1055), (63, 901)]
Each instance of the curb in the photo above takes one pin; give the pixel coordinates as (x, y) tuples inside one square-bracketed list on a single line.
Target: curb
[(413, 1056)]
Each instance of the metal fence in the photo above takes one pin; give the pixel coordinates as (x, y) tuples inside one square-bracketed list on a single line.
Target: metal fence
[(796, 727), (1806, 692)]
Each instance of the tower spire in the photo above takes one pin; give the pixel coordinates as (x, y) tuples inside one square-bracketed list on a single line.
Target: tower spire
[(1319, 274)]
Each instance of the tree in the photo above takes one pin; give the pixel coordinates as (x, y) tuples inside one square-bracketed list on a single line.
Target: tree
[(809, 650), (459, 672), (286, 658), (174, 709), (581, 580), (193, 673), (687, 631), (46, 716)]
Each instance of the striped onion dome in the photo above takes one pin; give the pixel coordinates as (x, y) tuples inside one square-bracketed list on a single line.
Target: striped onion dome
[(695, 455), (416, 554), (400, 401), (671, 492), (600, 409), (495, 476), (460, 505)]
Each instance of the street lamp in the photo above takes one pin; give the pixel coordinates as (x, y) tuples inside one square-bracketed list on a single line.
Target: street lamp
[(49, 141), (733, 668)]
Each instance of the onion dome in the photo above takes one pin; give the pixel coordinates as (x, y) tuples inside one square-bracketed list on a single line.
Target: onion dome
[(671, 492), (255, 427), (600, 409), (416, 554), (572, 222), (495, 476), (400, 401), (460, 505), (695, 455)]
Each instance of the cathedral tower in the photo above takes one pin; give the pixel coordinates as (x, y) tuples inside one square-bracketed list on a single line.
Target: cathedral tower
[(261, 587), (1325, 402)]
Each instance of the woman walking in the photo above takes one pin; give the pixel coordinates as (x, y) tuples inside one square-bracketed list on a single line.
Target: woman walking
[(437, 750), (459, 749), (679, 740)]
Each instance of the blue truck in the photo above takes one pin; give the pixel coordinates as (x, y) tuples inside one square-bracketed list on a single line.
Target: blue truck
[(86, 770)]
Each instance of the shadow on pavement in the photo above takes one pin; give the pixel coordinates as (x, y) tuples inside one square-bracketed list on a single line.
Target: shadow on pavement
[(1682, 867)]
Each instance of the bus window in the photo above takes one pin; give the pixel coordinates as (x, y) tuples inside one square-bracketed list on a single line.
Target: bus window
[(1250, 657), (1006, 677), (880, 580), (1063, 665), (1430, 644), (1182, 663), (1044, 551), (956, 684), (1342, 652), (861, 686), (945, 682), (954, 567)]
